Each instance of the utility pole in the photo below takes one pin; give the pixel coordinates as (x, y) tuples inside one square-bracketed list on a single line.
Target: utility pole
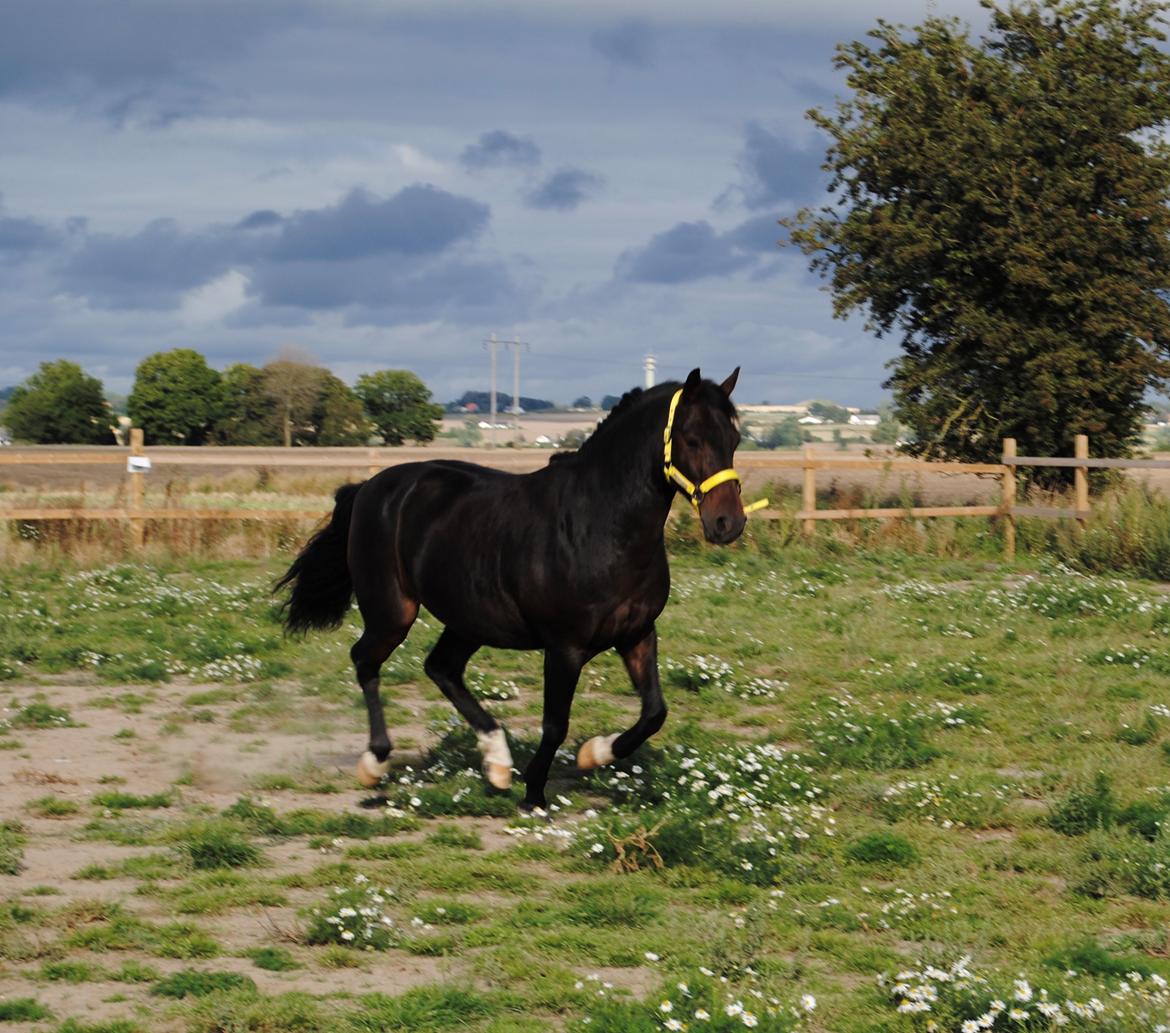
[(649, 367), (491, 347), (515, 344)]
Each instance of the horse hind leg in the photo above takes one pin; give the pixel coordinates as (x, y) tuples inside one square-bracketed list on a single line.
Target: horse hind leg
[(386, 625), (445, 666)]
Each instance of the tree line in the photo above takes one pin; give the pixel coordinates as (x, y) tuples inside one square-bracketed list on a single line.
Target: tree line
[(178, 399)]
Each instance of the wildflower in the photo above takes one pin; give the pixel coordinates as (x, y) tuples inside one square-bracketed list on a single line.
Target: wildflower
[(702, 1015), (666, 1007), (651, 956), (808, 1002)]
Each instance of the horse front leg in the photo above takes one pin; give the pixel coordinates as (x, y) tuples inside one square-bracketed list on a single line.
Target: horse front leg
[(562, 669), (641, 660)]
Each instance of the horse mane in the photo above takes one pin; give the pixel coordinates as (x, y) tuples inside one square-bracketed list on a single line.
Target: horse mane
[(632, 401)]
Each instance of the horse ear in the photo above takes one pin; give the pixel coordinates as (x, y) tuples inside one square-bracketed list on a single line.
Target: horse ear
[(691, 387), (729, 384)]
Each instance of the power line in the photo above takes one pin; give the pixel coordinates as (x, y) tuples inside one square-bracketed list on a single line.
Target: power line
[(629, 363)]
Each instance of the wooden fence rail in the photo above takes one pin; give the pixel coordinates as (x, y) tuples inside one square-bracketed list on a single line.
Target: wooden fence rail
[(139, 461)]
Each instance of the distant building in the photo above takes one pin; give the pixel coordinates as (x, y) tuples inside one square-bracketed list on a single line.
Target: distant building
[(864, 419)]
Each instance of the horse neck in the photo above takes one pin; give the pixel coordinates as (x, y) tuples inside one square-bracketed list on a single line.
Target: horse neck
[(627, 474)]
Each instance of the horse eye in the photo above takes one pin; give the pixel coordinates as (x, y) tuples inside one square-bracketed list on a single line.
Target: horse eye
[(692, 442)]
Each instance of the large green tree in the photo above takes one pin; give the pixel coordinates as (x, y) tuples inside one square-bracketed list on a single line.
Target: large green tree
[(1001, 204), (399, 405), (59, 404), (249, 415), (338, 417), (177, 398)]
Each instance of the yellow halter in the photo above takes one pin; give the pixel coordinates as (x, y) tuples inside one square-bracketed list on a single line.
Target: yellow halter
[(695, 492)]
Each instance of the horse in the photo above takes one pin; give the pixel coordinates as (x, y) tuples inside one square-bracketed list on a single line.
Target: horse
[(570, 559)]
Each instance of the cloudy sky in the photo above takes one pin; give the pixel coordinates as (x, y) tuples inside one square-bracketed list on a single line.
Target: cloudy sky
[(385, 183)]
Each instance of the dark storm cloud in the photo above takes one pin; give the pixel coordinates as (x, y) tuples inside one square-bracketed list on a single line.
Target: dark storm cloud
[(630, 43), (388, 290), (401, 258), (127, 59), (775, 171), (687, 251), (150, 269), (20, 238), (564, 190), (759, 233), (264, 219), (500, 148), (418, 220)]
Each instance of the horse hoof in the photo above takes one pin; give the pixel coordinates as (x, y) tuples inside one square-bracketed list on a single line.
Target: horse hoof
[(497, 759), (596, 752), (533, 810), (370, 770), (498, 776)]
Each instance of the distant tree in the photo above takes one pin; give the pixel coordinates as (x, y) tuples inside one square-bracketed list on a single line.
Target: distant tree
[(249, 414), (338, 418), (293, 382), (830, 412), (469, 435), (60, 404), (176, 398), (482, 400), (1002, 205), (609, 401), (399, 405), (888, 430), (784, 434), (584, 402), (575, 437)]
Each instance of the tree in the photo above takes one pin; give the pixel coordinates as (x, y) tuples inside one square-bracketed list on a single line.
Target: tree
[(293, 382), (399, 405), (830, 412), (584, 402), (176, 398), (1002, 205), (783, 434), (60, 404), (887, 432), (249, 414), (609, 401), (337, 416)]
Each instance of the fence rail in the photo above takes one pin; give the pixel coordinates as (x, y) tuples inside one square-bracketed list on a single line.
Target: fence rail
[(137, 513)]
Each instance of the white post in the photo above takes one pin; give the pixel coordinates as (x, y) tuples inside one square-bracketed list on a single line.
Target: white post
[(649, 368)]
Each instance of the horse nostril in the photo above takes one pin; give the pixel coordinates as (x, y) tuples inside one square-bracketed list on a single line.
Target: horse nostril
[(721, 525)]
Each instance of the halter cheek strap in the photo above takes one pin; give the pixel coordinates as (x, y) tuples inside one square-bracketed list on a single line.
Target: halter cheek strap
[(695, 492)]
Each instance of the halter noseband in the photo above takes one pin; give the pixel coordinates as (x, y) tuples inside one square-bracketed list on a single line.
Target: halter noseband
[(695, 493)]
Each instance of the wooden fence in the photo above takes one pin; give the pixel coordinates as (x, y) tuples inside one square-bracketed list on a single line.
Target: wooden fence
[(138, 462)]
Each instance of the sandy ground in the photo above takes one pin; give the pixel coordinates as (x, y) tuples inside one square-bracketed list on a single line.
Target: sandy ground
[(220, 764)]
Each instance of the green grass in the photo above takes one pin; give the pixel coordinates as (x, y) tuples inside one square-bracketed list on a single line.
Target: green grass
[(877, 759), (52, 807), (22, 1009)]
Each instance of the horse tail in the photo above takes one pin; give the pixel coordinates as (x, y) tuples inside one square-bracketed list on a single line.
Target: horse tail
[(321, 586)]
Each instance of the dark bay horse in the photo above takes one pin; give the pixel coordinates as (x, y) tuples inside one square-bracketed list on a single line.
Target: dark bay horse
[(570, 559)]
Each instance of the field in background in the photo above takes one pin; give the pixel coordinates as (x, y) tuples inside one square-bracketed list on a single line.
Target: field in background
[(875, 761)]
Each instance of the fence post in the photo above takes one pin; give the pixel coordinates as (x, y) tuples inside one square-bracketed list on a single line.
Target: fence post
[(809, 494), (137, 490), (1008, 500), (1081, 478)]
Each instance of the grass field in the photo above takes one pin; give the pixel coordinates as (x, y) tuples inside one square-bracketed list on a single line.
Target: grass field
[(895, 792)]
